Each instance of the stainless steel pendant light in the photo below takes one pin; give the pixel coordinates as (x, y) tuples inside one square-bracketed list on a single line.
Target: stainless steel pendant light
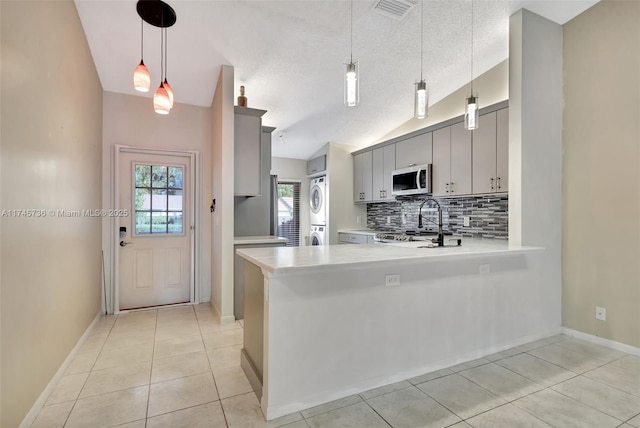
[(421, 101), (471, 111), (351, 77)]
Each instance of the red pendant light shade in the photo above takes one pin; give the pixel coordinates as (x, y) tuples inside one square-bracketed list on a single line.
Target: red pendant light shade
[(161, 15), (161, 102), (141, 78), (169, 90)]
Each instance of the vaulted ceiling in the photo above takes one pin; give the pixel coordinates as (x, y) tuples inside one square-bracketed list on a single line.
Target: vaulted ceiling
[(290, 55)]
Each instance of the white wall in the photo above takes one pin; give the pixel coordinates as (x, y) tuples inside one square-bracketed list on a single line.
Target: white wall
[(222, 161), (131, 121), (295, 170), (343, 331), (535, 144), (51, 116)]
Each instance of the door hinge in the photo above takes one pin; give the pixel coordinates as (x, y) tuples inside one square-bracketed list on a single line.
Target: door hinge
[(192, 228)]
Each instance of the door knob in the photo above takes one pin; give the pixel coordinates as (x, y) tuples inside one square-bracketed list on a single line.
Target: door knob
[(125, 243)]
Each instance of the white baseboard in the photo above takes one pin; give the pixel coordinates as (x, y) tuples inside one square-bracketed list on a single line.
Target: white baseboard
[(40, 402), (602, 341)]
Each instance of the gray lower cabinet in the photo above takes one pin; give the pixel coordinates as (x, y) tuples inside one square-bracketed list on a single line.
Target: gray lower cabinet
[(238, 276)]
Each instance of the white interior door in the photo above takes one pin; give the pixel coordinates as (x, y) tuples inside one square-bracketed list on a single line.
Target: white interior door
[(156, 238)]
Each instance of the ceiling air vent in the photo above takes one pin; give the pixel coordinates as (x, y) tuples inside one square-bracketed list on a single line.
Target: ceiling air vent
[(396, 9)]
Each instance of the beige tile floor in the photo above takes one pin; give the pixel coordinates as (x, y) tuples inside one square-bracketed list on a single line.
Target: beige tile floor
[(180, 368)]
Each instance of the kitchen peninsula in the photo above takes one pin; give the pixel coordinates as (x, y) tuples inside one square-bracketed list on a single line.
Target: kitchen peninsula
[(321, 323)]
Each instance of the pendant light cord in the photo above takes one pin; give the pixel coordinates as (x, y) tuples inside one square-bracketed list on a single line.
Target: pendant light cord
[(141, 39), (421, 37), (351, 47), (471, 47), (161, 55), (166, 34)]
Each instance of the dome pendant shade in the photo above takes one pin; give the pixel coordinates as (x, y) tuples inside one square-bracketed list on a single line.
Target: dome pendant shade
[(161, 102), (169, 90), (141, 78)]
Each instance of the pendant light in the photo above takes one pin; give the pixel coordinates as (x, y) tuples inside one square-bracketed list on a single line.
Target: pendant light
[(161, 100), (161, 15), (471, 111), (166, 84), (351, 78), (141, 77), (421, 101)]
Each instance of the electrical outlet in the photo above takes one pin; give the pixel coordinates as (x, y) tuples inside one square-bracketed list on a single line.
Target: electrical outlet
[(485, 269), (388, 219), (601, 313), (466, 221), (392, 280)]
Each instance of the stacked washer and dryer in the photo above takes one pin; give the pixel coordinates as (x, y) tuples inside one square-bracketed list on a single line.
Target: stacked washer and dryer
[(318, 216)]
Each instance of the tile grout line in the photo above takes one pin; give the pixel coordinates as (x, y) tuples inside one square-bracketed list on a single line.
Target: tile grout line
[(153, 350), (375, 411), (206, 353), (90, 370)]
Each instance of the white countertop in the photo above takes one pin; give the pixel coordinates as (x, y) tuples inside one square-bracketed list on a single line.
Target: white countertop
[(284, 260), (266, 239)]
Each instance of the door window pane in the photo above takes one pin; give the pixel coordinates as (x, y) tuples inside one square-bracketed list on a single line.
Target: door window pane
[(158, 201)]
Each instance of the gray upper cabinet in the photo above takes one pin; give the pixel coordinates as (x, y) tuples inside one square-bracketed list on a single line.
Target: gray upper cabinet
[(484, 155), (247, 151), (491, 153), (460, 160), (441, 161), (317, 165), (451, 161), (384, 162), (414, 151), (502, 149), (362, 177)]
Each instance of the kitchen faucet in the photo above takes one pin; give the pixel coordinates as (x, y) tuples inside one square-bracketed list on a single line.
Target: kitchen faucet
[(440, 233)]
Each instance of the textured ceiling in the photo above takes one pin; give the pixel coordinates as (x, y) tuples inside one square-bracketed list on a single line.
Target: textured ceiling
[(290, 55)]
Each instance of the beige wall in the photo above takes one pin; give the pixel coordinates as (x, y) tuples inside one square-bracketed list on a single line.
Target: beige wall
[(492, 87), (131, 121), (222, 219), (601, 188), (51, 159)]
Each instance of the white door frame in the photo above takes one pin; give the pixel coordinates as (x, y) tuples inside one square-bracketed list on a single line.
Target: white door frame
[(195, 218)]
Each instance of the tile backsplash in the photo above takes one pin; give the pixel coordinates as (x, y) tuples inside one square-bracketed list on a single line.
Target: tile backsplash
[(488, 215)]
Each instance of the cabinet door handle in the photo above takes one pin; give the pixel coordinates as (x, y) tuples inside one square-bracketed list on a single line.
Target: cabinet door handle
[(499, 186), (492, 180), (451, 187), (446, 185)]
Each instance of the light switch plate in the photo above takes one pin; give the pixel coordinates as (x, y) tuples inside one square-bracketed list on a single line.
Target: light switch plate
[(601, 313)]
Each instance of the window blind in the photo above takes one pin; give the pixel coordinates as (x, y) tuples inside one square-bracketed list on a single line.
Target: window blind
[(289, 212)]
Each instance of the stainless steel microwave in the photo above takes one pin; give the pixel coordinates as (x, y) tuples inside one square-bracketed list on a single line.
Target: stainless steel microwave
[(415, 180)]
